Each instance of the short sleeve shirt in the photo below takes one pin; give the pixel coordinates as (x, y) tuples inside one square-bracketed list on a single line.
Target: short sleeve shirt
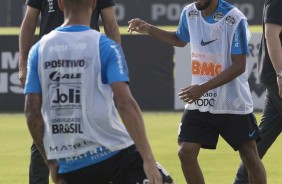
[(239, 46), (52, 17), (111, 62), (272, 14)]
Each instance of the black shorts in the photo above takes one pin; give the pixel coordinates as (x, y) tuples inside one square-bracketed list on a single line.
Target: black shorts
[(204, 128), (126, 167)]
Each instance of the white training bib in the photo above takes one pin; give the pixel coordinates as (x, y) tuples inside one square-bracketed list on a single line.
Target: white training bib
[(78, 109), (211, 54)]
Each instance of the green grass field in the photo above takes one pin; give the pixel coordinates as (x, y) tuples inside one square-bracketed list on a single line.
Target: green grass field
[(219, 166), (123, 29)]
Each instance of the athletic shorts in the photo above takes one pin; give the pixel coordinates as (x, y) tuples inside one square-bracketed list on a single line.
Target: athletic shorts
[(204, 128), (126, 167)]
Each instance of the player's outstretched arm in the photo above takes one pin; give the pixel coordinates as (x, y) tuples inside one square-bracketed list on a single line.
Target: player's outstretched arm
[(141, 26)]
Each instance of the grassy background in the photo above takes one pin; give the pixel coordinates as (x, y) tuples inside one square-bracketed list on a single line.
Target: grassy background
[(123, 29), (219, 166)]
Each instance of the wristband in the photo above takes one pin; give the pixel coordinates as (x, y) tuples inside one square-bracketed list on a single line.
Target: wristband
[(279, 74)]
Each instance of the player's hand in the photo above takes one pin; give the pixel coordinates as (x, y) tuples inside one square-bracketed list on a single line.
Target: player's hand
[(152, 173), (53, 168), (22, 76), (138, 25), (191, 94), (279, 83)]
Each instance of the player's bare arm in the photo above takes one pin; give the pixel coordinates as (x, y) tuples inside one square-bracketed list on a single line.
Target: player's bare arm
[(272, 33), (194, 92), (130, 114), (26, 40), (34, 120), (36, 127), (110, 24), (168, 37)]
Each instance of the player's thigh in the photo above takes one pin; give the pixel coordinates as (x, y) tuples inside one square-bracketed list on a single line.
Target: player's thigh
[(271, 121), (272, 91), (38, 171)]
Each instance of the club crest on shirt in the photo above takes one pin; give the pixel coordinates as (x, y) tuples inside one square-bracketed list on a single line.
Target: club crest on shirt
[(217, 16), (230, 20), (193, 14), (51, 6)]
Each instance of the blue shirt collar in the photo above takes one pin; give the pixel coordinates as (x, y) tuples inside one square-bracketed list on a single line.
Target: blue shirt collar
[(73, 28)]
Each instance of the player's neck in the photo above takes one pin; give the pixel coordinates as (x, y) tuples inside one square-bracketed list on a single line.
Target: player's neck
[(210, 9), (69, 22), (78, 18)]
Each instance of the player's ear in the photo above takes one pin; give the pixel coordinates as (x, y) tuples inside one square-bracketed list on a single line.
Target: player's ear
[(61, 5), (94, 4)]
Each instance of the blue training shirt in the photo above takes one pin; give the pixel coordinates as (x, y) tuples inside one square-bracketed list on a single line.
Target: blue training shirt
[(111, 64), (239, 46)]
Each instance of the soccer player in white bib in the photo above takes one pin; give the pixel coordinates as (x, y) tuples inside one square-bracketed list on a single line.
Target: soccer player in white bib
[(219, 101), (76, 88), (52, 17)]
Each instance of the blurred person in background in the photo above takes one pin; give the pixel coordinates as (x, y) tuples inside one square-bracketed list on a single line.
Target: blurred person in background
[(270, 75), (219, 100)]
